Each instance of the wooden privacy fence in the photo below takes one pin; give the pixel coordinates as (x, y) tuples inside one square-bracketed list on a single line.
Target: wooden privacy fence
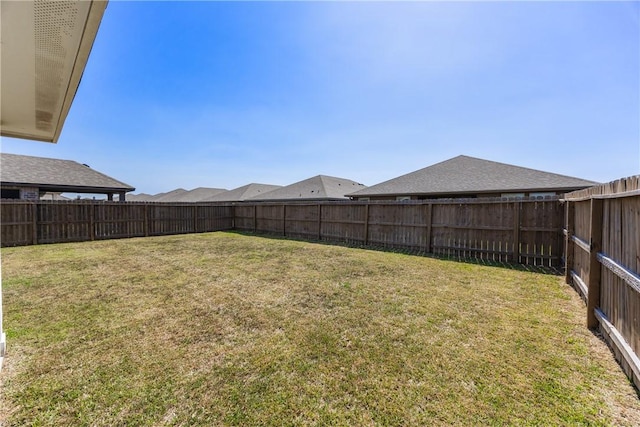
[(30, 223), (602, 246), (511, 231), (514, 231)]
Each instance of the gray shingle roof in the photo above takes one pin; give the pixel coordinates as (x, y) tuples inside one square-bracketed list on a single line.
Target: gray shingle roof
[(55, 174), (470, 175), (242, 193), (196, 195), (319, 187), (178, 195), (142, 197), (169, 196)]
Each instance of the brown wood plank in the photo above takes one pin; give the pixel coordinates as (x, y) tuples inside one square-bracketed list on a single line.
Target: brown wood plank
[(594, 278)]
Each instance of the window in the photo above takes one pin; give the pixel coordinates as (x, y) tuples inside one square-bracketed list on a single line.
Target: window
[(10, 194), (542, 194), (512, 195)]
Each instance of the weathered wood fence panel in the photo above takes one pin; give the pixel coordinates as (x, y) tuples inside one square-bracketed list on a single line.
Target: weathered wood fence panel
[(270, 219), (343, 222), (539, 238), (17, 222), (62, 222), (579, 268), (112, 221), (170, 219), (301, 221), (397, 226), (26, 222), (522, 231), (245, 217), (475, 229), (214, 218), (602, 234)]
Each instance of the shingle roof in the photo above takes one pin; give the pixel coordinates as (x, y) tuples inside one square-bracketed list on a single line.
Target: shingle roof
[(319, 187), (242, 193), (55, 174), (195, 195), (169, 196), (142, 197), (465, 174), (178, 195)]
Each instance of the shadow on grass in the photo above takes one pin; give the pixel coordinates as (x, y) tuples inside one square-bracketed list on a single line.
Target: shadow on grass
[(556, 271), (623, 366)]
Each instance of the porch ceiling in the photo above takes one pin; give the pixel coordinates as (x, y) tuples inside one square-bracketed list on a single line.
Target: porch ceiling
[(43, 52)]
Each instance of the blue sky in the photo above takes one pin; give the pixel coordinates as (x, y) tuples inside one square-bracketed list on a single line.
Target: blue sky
[(221, 94)]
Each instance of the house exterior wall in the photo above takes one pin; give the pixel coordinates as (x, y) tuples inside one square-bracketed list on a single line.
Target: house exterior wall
[(29, 193), (514, 194), (25, 193)]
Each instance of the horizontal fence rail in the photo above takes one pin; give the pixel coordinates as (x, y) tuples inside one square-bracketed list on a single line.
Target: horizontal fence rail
[(602, 247)]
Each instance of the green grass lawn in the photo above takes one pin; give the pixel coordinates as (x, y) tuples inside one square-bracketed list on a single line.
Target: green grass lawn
[(230, 329)]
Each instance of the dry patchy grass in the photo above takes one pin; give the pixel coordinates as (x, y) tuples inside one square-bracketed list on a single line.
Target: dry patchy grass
[(229, 329)]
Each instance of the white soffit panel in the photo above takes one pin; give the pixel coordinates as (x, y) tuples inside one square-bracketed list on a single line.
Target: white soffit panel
[(44, 47)]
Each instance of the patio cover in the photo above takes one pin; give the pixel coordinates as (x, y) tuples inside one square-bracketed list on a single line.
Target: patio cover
[(45, 45)]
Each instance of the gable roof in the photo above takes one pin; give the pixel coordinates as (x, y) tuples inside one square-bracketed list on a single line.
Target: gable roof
[(320, 187), (56, 175), (167, 196), (142, 197), (242, 193), (195, 195), (178, 195), (470, 175)]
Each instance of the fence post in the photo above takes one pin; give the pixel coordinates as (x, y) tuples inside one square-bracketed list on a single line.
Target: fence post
[(284, 219), (569, 222), (595, 232), (92, 231), (517, 207), (255, 218), (146, 220), (366, 224), (195, 218), (34, 222), (233, 216), (428, 220), (319, 221)]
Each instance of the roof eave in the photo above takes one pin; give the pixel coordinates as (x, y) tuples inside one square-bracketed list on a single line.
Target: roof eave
[(440, 193), (61, 188), (19, 84), (90, 32)]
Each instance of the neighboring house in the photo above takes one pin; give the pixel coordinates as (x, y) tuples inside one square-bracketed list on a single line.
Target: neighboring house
[(142, 197), (317, 188), (242, 193), (470, 177), (178, 195), (196, 195), (27, 177), (169, 196), (53, 196)]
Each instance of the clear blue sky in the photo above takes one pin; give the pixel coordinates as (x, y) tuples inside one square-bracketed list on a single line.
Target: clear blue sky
[(221, 94)]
